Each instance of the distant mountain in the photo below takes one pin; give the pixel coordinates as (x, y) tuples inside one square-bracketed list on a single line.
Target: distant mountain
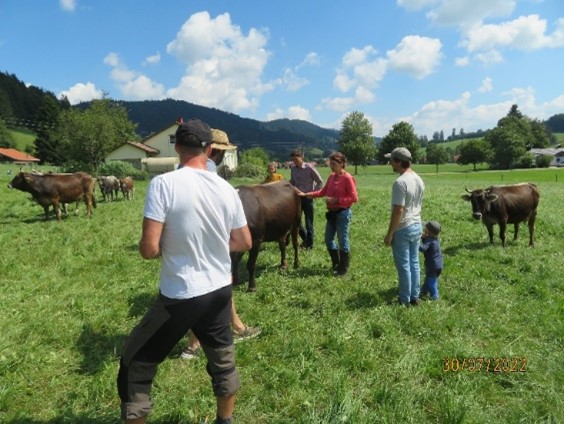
[(277, 137)]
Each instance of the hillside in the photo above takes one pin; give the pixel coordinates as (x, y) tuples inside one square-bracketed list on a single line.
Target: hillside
[(278, 137)]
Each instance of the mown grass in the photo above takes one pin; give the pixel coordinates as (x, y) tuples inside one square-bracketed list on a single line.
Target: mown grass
[(333, 350)]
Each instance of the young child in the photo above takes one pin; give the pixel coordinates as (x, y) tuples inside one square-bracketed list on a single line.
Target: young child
[(431, 249), (272, 176)]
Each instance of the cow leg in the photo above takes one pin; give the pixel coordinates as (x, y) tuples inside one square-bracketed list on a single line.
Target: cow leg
[(531, 224), (88, 203), (235, 259), (282, 247), (56, 209), (516, 232), (502, 229), (46, 209), (294, 231), (490, 232), (251, 264)]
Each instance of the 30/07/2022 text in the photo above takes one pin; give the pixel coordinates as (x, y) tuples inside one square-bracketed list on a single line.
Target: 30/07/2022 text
[(496, 364)]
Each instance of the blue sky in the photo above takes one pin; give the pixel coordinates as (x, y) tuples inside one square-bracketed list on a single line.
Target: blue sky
[(438, 64)]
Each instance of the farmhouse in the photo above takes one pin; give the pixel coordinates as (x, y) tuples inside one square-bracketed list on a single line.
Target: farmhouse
[(556, 153), (156, 153), (16, 157)]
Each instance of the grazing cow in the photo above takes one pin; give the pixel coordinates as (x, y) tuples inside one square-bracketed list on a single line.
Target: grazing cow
[(56, 189), (126, 186), (272, 211), (509, 204), (109, 186)]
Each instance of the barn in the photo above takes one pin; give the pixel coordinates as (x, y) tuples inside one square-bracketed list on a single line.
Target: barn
[(156, 153), (16, 157), (557, 155)]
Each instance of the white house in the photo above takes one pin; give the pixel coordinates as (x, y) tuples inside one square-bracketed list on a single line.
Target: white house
[(556, 153), (156, 153)]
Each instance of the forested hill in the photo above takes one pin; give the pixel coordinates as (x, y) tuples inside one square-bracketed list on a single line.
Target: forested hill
[(279, 136), (20, 104)]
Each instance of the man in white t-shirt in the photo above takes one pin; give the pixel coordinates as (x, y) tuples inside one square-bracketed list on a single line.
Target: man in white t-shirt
[(192, 220), (404, 230)]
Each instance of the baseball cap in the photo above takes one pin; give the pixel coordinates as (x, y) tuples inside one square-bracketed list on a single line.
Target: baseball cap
[(400, 153), (201, 132), (434, 227)]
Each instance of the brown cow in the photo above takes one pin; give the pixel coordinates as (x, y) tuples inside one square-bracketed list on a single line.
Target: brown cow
[(272, 211), (508, 204), (55, 189), (126, 186)]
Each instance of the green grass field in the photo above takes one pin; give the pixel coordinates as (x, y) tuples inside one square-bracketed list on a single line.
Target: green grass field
[(332, 350)]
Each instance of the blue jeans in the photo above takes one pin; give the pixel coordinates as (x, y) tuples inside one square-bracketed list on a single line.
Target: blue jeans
[(405, 248), (338, 225), (431, 284), (307, 233)]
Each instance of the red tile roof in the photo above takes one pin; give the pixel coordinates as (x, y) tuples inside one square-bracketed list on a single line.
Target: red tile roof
[(17, 156)]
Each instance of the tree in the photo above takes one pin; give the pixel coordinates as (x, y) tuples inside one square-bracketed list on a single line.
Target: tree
[(474, 151), (508, 144), (541, 134), (86, 137), (5, 138), (510, 139), (401, 135), (556, 123), (46, 144), (356, 141), (252, 163), (437, 154)]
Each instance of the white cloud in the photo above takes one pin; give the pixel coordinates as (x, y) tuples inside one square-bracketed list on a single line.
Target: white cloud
[(142, 88), (463, 12), (132, 84), (489, 57), (524, 33), (417, 56), (339, 104), (151, 60), (68, 5), (224, 67), (459, 113), (462, 61), (293, 112), (293, 82), (486, 86), (415, 5), (82, 93), (311, 59), (359, 69)]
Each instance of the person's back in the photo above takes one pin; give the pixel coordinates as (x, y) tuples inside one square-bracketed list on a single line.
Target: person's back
[(197, 224), (408, 189)]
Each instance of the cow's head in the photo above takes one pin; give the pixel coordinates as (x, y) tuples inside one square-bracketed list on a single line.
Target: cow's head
[(481, 201), (21, 182)]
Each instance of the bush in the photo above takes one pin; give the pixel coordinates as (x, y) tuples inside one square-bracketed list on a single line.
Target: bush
[(74, 166), (543, 161), (122, 169), (526, 161), (225, 172), (249, 170)]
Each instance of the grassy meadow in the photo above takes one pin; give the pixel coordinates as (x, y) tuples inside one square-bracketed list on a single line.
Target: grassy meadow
[(332, 350)]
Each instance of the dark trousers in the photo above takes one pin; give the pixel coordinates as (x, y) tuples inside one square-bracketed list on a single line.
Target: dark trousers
[(306, 233), (166, 322)]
